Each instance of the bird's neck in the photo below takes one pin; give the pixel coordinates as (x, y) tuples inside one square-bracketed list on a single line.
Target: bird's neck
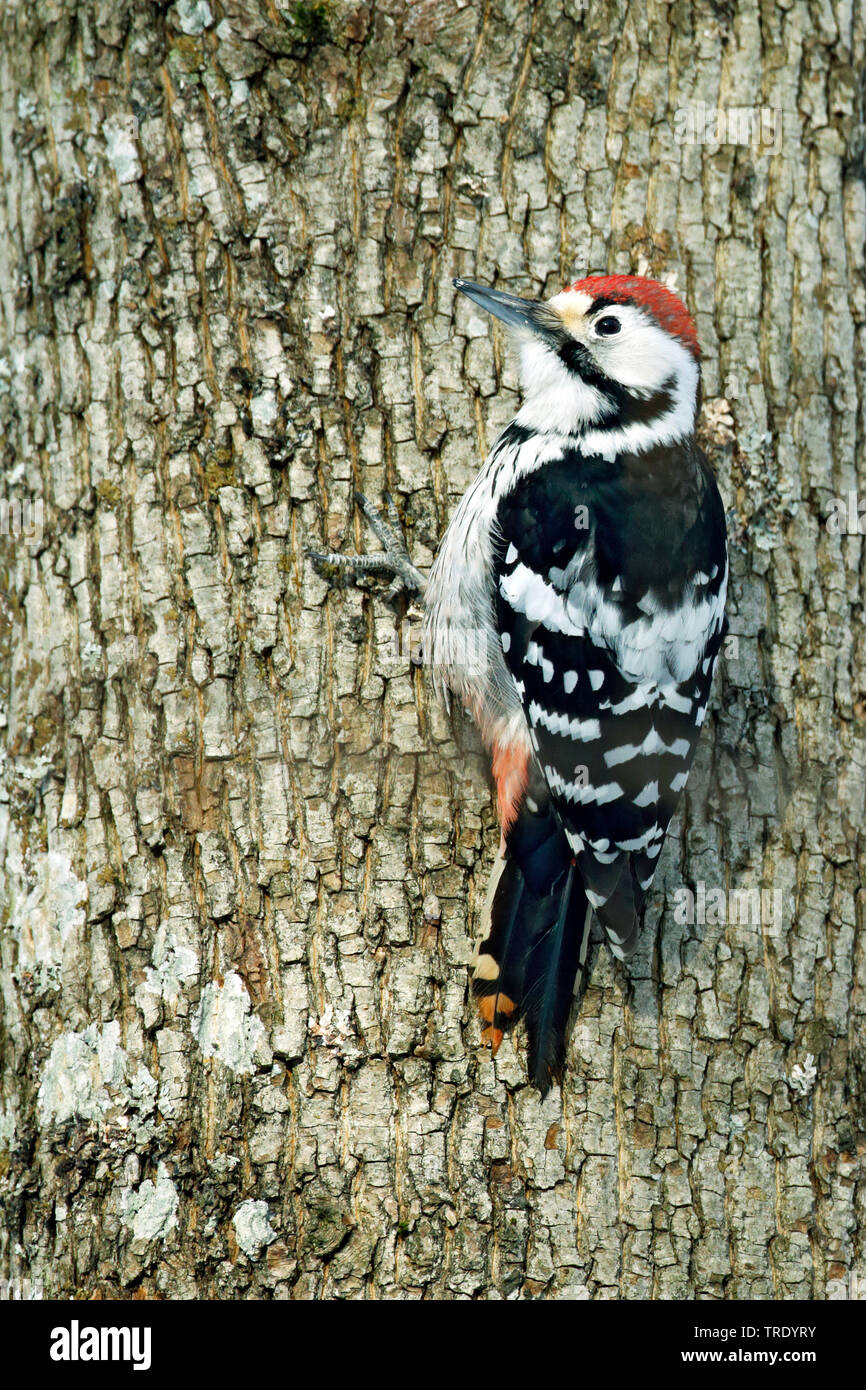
[(610, 419)]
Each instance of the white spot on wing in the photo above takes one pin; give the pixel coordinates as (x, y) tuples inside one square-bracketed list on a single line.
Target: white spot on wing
[(582, 794), (578, 729), (673, 700), (641, 841), (535, 657), (539, 602), (651, 744), (649, 796), (641, 698)]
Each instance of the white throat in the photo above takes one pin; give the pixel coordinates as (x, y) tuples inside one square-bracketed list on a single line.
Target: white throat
[(556, 401)]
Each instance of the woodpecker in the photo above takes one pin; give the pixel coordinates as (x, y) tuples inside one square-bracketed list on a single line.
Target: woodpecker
[(576, 607)]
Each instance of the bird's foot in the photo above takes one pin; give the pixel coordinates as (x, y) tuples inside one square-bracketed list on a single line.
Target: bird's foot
[(392, 559)]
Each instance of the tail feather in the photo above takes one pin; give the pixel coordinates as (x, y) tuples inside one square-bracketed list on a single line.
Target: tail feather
[(500, 963), (551, 969), (535, 943)]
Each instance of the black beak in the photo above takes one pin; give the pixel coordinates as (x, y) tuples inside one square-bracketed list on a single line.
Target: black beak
[(530, 314)]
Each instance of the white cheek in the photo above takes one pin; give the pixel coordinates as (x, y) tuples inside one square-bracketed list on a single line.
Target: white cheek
[(641, 356)]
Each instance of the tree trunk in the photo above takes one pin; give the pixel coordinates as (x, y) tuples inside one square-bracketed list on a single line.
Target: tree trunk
[(243, 848)]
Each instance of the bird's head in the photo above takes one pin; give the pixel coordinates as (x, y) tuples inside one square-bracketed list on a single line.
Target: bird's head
[(613, 355)]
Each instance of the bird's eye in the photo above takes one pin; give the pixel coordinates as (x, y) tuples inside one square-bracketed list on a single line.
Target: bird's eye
[(607, 326)]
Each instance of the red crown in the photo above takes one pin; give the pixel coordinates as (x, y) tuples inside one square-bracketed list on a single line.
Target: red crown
[(666, 308)]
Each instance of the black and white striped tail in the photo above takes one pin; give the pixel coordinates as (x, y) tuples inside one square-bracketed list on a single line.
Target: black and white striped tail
[(529, 964)]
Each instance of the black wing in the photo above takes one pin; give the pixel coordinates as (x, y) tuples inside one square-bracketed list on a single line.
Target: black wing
[(610, 590)]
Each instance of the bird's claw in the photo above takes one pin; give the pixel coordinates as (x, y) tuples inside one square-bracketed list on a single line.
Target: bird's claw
[(393, 559)]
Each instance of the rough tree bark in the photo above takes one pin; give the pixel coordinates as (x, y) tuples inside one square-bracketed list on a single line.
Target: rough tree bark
[(242, 848)]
